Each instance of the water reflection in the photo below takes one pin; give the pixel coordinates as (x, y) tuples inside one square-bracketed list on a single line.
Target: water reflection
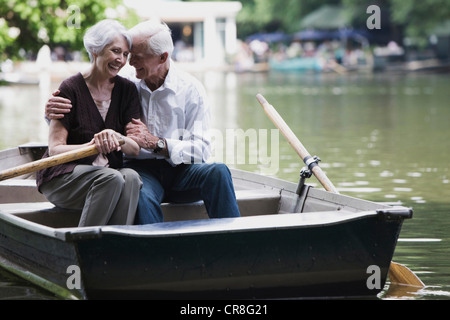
[(13, 288), (21, 115), (380, 137)]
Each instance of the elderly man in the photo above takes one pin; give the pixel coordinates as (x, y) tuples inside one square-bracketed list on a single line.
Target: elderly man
[(172, 132)]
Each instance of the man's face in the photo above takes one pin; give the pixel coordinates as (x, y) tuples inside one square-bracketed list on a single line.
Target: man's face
[(146, 65)]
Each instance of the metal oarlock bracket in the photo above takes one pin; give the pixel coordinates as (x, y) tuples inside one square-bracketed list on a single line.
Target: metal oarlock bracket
[(306, 172), (311, 162)]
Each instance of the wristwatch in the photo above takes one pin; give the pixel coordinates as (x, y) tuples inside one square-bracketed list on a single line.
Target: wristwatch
[(160, 145)]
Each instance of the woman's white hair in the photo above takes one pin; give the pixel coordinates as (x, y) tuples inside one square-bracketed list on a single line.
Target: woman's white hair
[(102, 34), (158, 37)]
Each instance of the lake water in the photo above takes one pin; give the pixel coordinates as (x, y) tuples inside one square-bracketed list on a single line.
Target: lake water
[(382, 137)]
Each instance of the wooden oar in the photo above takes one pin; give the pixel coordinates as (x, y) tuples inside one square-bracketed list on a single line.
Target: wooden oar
[(296, 144), (50, 162), (398, 273)]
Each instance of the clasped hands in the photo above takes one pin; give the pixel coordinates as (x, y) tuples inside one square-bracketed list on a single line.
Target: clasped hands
[(108, 141), (138, 131)]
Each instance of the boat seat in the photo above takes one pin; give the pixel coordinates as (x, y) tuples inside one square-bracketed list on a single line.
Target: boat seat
[(251, 203), (20, 190), (44, 213)]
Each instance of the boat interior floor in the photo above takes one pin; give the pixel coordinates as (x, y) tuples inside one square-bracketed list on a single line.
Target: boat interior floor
[(251, 203)]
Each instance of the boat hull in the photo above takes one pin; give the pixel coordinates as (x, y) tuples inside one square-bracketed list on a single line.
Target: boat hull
[(38, 256), (293, 262), (284, 256), (309, 64)]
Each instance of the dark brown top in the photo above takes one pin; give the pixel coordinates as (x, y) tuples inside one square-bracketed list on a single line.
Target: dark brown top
[(84, 120)]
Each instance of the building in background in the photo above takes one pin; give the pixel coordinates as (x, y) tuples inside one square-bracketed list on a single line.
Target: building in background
[(203, 32)]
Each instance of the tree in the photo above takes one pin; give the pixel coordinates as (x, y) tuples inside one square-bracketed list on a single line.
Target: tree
[(26, 25), (420, 17), (416, 18), (273, 15)]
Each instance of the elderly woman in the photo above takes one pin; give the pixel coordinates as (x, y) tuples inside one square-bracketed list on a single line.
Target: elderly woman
[(103, 103)]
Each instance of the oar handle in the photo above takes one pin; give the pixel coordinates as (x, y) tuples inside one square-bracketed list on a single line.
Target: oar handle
[(50, 161), (295, 143)]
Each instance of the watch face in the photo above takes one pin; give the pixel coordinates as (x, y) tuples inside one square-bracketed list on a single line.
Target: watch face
[(161, 144)]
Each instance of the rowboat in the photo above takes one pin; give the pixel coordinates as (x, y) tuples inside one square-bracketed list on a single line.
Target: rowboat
[(300, 64), (292, 241)]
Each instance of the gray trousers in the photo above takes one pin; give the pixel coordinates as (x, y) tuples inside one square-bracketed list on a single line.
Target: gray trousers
[(106, 196)]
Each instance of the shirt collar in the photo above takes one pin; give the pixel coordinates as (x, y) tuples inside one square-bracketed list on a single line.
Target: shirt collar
[(170, 82)]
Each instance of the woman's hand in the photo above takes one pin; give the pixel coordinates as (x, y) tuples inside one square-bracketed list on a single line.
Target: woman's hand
[(107, 141)]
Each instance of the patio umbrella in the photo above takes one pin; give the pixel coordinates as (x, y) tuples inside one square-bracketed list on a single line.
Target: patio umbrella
[(270, 37), (311, 35), (327, 17)]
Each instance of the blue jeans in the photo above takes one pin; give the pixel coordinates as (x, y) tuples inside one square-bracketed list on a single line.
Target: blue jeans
[(184, 183)]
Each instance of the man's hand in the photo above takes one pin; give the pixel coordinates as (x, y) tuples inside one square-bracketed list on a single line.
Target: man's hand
[(56, 107), (138, 131)]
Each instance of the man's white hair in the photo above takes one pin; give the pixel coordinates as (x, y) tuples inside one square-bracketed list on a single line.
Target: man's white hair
[(158, 37)]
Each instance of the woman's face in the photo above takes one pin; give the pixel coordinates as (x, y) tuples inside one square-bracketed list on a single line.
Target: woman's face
[(113, 57)]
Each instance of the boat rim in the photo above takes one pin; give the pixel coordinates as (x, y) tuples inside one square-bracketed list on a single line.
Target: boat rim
[(206, 226)]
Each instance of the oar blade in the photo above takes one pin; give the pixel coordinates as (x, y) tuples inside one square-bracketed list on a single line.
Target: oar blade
[(400, 274)]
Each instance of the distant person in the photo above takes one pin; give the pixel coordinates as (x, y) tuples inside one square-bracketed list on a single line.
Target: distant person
[(172, 133), (103, 103)]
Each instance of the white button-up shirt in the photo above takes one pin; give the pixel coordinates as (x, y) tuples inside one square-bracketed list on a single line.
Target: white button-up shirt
[(177, 111)]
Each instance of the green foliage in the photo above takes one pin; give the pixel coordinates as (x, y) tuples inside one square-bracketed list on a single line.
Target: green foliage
[(420, 17), (26, 25), (274, 15)]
